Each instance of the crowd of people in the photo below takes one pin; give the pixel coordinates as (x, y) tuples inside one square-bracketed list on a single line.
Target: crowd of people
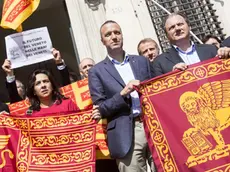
[(111, 84)]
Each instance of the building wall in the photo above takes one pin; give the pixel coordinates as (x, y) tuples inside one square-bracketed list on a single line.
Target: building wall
[(134, 20), (132, 15), (222, 10), (85, 23)]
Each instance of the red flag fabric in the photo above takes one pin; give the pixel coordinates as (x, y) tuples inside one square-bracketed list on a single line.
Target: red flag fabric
[(58, 142), (187, 118), (15, 12), (79, 93)]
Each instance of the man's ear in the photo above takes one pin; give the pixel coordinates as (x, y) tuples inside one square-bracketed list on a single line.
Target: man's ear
[(102, 41), (82, 75), (166, 33)]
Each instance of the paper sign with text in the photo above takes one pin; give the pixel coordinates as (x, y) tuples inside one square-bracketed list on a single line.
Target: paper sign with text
[(28, 47)]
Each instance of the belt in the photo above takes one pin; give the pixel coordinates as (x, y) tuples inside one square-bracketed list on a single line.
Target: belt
[(138, 118)]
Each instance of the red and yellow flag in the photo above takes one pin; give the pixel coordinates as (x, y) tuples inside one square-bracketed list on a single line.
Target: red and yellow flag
[(48, 142), (15, 12), (79, 93), (187, 118)]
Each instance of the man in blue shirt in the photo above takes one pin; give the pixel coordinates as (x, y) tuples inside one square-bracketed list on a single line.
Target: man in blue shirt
[(183, 52), (111, 84)]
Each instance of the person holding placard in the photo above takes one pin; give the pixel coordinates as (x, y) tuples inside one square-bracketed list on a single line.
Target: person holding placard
[(16, 89), (45, 97)]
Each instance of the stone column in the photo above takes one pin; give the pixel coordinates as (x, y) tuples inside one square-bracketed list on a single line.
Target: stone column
[(144, 19), (222, 10), (85, 22), (86, 19)]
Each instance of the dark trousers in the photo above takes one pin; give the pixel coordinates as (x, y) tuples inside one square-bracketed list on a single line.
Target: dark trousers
[(106, 165)]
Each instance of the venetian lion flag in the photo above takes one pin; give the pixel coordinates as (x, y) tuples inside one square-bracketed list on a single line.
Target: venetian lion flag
[(15, 12), (187, 118)]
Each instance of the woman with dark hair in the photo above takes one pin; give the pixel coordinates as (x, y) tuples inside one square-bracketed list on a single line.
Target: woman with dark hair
[(15, 87), (44, 95)]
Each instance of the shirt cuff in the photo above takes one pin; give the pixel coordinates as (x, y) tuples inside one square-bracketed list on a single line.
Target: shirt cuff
[(10, 79), (62, 65)]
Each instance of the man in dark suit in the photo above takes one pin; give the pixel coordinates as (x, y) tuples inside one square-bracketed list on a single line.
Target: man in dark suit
[(183, 52), (102, 165), (111, 84)]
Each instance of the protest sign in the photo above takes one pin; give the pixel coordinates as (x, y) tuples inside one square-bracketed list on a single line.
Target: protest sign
[(28, 47)]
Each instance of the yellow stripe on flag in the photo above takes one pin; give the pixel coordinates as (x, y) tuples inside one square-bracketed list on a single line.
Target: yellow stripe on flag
[(15, 12)]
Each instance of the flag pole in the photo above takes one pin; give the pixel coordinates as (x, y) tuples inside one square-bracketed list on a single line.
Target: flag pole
[(163, 8)]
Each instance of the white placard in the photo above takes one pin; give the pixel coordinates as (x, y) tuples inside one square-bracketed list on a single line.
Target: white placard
[(28, 47)]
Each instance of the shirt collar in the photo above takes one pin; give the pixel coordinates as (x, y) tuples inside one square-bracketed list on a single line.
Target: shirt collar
[(126, 59), (190, 50)]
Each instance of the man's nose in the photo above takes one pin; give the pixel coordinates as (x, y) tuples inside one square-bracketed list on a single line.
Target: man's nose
[(113, 36), (150, 52), (177, 27), (88, 67)]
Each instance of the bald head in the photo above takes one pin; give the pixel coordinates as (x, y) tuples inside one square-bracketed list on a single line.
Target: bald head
[(21, 89), (85, 65)]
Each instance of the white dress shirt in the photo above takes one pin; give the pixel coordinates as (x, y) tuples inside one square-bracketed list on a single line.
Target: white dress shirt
[(126, 73), (189, 56)]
